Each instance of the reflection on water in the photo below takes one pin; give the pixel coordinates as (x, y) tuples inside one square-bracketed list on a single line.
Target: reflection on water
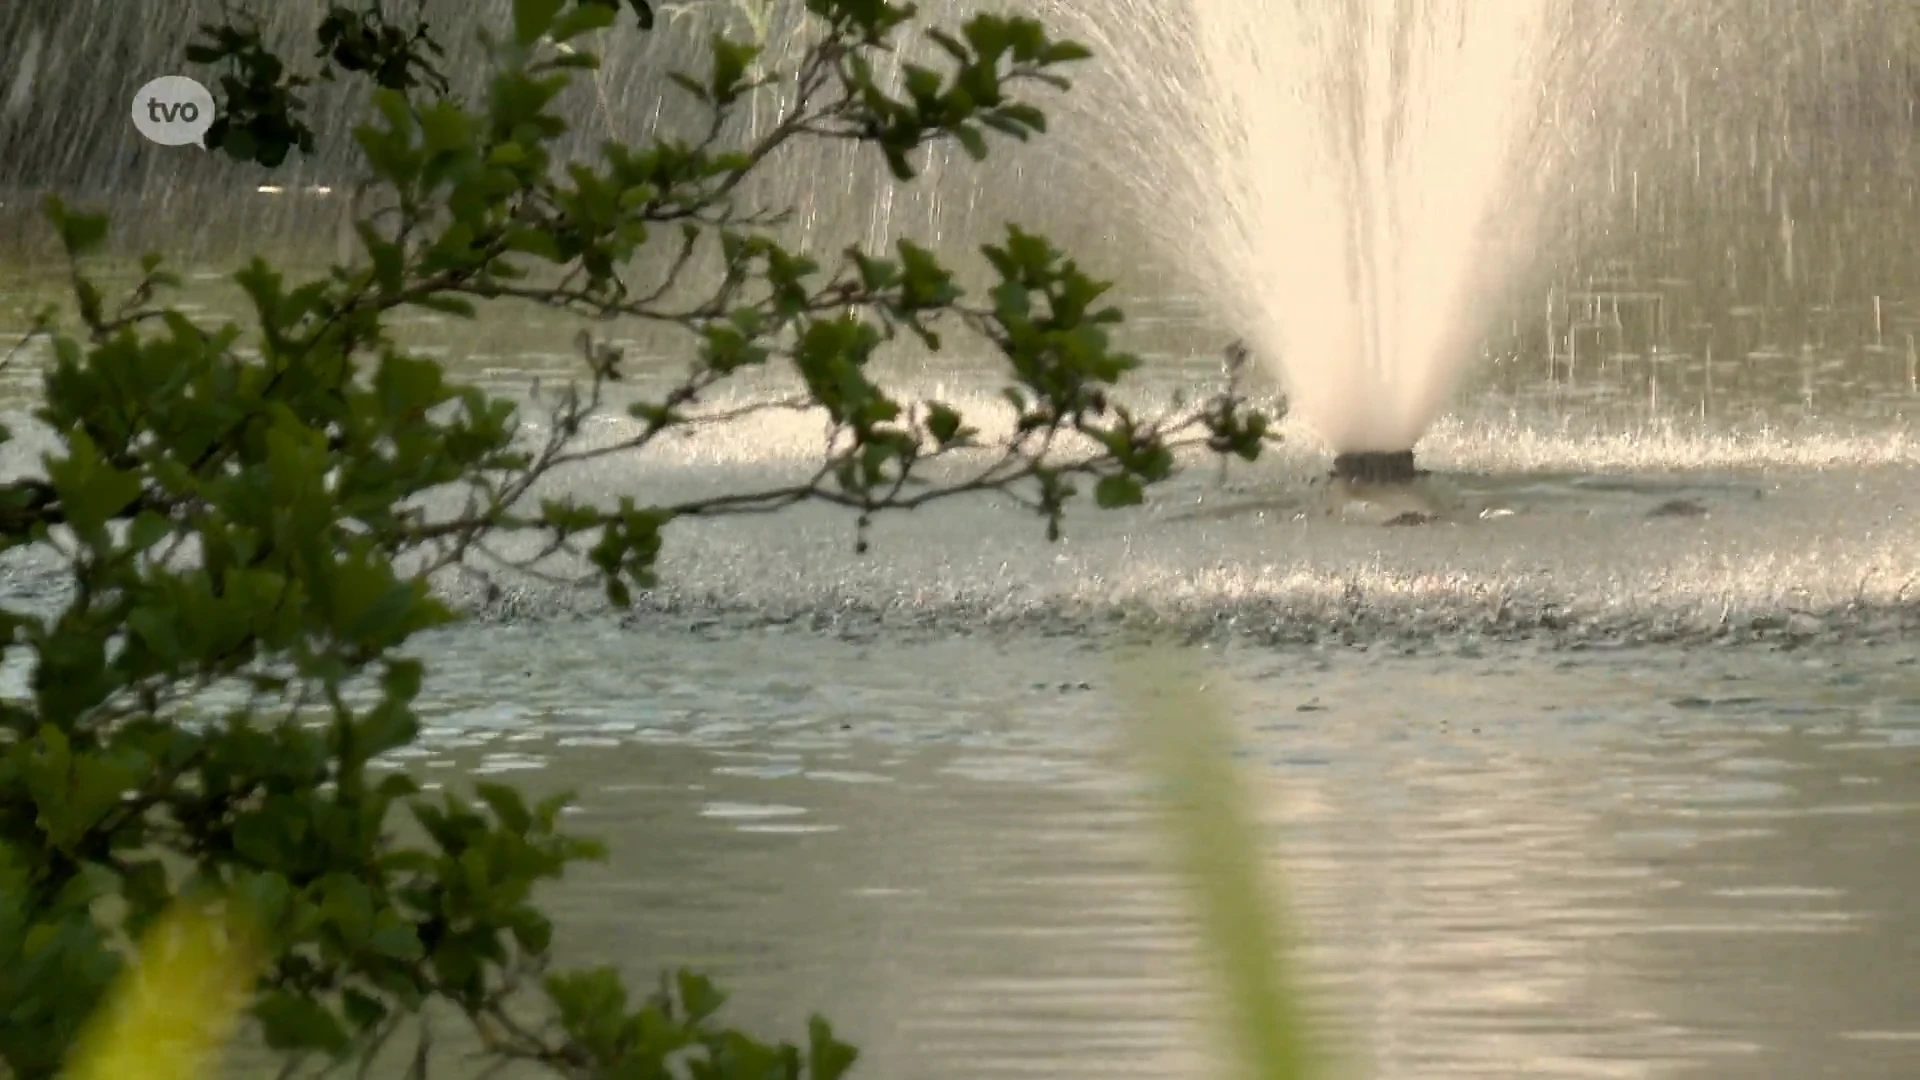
[(1547, 865)]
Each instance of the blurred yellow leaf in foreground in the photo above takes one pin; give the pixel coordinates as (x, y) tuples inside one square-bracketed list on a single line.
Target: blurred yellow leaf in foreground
[(174, 1006)]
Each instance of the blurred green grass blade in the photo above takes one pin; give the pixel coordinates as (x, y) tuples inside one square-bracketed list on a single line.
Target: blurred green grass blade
[(1185, 740)]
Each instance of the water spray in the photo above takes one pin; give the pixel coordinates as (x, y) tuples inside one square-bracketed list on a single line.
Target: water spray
[(1356, 185)]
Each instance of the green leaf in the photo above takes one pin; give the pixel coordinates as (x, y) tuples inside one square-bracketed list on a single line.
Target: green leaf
[(1116, 491), (698, 996), (922, 84), (144, 884), (80, 234), (897, 163), (91, 491), (1006, 126), (987, 34), (148, 529), (533, 931), (445, 127), (582, 19), (507, 805), (240, 144), (971, 141), (362, 1010), (827, 1057), (293, 1023), (587, 1000), (266, 898), (943, 423), (950, 44), (731, 59), (533, 18), (396, 940), (1061, 52)]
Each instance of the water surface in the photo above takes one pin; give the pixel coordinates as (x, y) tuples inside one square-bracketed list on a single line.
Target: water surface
[(1679, 862), (1608, 770)]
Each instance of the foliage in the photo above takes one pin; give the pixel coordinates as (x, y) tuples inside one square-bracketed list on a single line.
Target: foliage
[(242, 516)]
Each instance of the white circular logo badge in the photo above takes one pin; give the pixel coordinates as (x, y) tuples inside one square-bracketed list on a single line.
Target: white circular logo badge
[(173, 110)]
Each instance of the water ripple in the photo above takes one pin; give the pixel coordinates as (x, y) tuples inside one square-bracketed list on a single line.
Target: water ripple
[(1572, 865)]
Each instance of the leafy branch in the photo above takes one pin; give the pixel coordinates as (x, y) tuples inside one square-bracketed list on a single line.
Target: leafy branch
[(246, 514)]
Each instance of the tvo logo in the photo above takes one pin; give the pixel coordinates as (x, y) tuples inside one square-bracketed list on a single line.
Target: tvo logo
[(173, 110)]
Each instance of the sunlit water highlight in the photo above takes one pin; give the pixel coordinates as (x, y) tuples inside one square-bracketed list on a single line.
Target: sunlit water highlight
[(1577, 513), (1527, 531)]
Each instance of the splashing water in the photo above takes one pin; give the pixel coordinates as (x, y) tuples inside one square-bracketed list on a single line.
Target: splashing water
[(1357, 180), (1364, 151)]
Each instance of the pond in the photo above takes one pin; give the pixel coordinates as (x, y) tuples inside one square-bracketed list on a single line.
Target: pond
[(1609, 769), (1646, 862)]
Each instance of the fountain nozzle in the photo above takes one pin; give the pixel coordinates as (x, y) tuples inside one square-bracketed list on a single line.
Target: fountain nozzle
[(1376, 467)]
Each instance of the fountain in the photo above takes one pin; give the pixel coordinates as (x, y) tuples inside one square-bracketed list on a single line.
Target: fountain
[(1358, 182)]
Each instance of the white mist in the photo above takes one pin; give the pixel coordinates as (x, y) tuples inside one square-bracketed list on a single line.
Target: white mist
[(1354, 183)]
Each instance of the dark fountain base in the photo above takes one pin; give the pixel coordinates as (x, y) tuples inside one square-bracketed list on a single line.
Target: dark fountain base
[(1377, 467)]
